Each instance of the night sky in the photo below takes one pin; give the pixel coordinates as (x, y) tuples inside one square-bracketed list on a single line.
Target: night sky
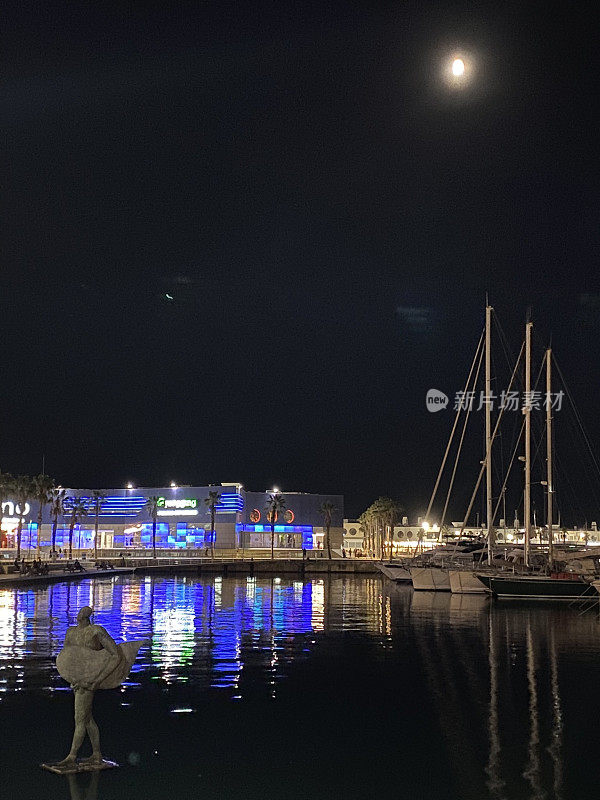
[(327, 216)]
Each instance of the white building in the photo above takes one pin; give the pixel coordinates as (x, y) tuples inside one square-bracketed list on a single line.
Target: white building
[(353, 536)]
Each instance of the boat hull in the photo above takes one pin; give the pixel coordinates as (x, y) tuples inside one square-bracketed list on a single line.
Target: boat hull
[(464, 581), (395, 572), (537, 587), (430, 579)]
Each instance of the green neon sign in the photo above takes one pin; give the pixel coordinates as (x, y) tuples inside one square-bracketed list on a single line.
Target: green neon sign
[(177, 502)]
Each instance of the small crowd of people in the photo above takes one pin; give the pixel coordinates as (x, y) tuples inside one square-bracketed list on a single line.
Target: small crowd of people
[(39, 567), (35, 567), (354, 552)]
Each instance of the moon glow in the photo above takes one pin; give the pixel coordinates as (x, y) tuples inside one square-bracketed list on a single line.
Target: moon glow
[(458, 67)]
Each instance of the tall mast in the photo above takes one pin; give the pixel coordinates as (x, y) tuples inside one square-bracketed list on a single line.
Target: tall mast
[(549, 454), (527, 412), (488, 431)]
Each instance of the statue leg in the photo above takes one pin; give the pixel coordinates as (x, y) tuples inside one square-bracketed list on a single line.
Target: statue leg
[(83, 715), (94, 734)]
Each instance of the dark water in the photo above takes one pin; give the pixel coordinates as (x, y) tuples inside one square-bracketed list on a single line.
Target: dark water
[(343, 688)]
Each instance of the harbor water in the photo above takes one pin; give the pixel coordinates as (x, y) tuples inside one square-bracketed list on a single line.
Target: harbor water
[(344, 687)]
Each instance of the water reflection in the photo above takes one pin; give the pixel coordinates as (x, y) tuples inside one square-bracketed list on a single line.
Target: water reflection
[(491, 694), (516, 704), (495, 783), (83, 787), (201, 632)]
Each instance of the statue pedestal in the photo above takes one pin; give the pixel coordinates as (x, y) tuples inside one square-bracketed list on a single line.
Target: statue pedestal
[(81, 765)]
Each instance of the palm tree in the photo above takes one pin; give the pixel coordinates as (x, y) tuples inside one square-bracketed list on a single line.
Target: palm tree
[(378, 516), (370, 520), (388, 509), (275, 504), (57, 508), (6, 484), (98, 498), (22, 490), (151, 506), (382, 513), (327, 509), (365, 523), (211, 502), (42, 492), (375, 510), (78, 510)]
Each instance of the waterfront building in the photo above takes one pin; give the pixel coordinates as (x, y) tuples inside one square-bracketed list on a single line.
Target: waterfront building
[(354, 535), (407, 537), (183, 520)]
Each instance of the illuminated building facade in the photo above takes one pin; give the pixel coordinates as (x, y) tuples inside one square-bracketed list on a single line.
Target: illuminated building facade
[(183, 520), (426, 537)]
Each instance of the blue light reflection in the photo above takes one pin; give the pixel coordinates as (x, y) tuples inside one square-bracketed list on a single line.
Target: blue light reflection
[(202, 632)]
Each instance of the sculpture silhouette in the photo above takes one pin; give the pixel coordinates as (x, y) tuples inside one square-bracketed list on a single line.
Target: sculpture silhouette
[(91, 660)]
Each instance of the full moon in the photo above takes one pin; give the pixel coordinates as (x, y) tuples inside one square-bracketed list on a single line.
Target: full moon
[(458, 67)]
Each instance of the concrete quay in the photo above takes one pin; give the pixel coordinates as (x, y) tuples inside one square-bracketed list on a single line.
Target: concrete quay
[(255, 566), (53, 576), (200, 566)]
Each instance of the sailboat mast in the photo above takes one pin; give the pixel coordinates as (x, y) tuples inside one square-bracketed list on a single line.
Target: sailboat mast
[(488, 431), (527, 412), (549, 454)]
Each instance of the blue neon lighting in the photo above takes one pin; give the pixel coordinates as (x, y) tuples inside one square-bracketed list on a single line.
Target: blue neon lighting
[(115, 506), (111, 506), (230, 504), (130, 506)]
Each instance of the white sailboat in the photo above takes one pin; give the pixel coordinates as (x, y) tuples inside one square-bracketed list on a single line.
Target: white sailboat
[(461, 576), (554, 586)]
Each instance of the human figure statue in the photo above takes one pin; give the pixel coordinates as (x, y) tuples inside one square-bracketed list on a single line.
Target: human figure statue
[(91, 660)]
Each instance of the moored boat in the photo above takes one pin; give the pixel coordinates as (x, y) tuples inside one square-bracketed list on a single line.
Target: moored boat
[(395, 571), (563, 586), (465, 581), (430, 579)]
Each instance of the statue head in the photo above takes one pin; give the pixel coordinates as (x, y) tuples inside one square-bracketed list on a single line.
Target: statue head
[(84, 614)]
